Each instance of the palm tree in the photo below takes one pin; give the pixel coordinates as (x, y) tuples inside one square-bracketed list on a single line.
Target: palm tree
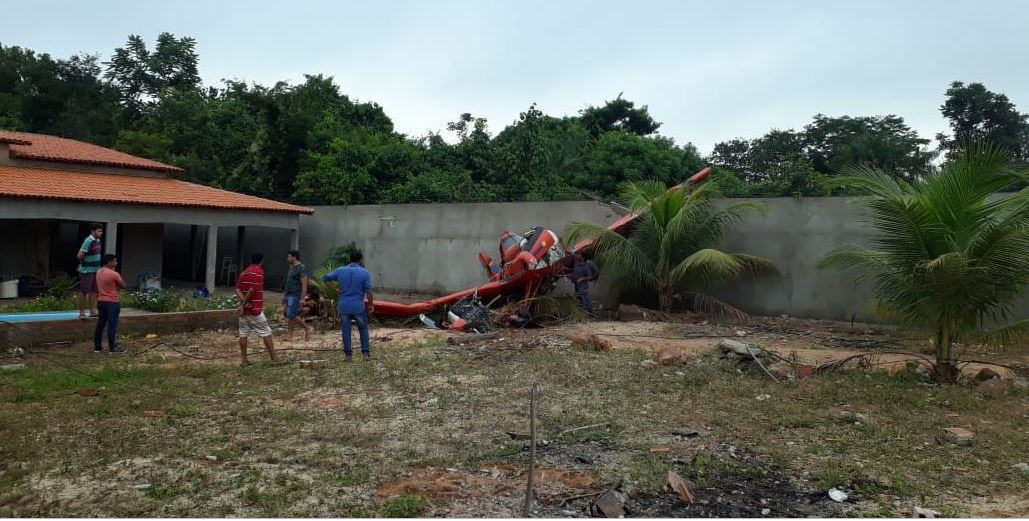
[(950, 254), (672, 248)]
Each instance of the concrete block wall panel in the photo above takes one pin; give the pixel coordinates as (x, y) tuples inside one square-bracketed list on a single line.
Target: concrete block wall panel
[(142, 249)]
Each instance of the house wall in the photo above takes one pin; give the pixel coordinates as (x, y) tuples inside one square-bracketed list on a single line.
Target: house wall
[(142, 251)]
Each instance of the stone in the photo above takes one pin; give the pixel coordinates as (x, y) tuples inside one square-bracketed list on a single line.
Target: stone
[(211, 457), (590, 340), (609, 504), (958, 435), (994, 387), (669, 356), (585, 460), (142, 486), (762, 397), (648, 363), (12, 367), (837, 495), (854, 417), (766, 511), (740, 332), (313, 364), (735, 347), (986, 374), (925, 513), (630, 313), (1022, 467)]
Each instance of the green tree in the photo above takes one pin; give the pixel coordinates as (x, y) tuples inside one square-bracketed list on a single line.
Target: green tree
[(619, 156), (672, 251), (976, 113), (618, 114), (884, 142), (949, 255), (140, 75)]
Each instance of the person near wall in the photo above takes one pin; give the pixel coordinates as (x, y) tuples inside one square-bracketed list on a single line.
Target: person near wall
[(294, 291), (250, 290), (108, 284), (355, 302), (583, 272), (89, 263)]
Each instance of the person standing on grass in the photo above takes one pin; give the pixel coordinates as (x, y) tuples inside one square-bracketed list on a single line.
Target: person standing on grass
[(108, 283), (583, 272), (250, 290), (355, 287), (89, 263), (294, 290)]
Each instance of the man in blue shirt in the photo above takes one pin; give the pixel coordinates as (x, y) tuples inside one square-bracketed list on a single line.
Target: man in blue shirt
[(355, 284)]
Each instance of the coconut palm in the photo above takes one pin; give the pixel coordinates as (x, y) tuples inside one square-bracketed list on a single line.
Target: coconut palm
[(672, 248), (950, 254)]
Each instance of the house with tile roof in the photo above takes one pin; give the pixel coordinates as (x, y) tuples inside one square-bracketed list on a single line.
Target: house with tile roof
[(51, 188)]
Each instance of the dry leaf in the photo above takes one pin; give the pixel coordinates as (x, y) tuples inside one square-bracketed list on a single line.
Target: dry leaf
[(154, 414)]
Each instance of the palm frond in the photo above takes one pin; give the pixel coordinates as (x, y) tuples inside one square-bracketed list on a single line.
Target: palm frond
[(702, 303), (708, 267), (615, 253)]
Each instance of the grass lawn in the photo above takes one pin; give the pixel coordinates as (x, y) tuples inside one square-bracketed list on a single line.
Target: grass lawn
[(429, 428)]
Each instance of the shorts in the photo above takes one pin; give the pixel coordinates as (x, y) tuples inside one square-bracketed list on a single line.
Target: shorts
[(254, 325), (87, 283), (292, 301)]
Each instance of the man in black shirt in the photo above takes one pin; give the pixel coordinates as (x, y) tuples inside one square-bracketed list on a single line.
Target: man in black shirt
[(583, 272)]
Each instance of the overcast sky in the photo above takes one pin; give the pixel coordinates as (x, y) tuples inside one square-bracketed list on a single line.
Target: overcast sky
[(709, 70)]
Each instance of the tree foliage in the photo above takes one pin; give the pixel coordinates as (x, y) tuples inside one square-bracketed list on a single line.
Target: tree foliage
[(976, 113)]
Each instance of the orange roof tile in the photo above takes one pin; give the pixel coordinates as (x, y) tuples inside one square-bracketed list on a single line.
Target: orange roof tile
[(41, 147), (128, 189)]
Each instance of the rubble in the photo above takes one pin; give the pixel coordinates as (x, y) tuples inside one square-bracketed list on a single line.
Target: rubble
[(837, 495), (669, 356), (1023, 467), (610, 504), (12, 367), (993, 387), (958, 435), (925, 513), (736, 348), (986, 373), (630, 313), (675, 483), (313, 364), (590, 340)]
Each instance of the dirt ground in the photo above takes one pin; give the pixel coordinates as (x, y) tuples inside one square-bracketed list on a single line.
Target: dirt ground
[(437, 424)]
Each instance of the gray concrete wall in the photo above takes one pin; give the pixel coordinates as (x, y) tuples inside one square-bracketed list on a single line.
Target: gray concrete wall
[(142, 251), (432, 247)]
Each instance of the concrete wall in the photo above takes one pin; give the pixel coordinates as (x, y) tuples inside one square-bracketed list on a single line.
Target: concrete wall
[(141, 250), (431, 247)]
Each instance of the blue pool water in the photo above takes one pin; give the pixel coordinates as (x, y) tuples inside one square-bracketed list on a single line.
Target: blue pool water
[(39, 317)]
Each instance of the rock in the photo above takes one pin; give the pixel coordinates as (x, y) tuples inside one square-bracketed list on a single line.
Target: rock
[(766, 511), (312, 364), (630, 313), (740, 332), (837, 495), (735, 347), (854, 417), (675, 483), (804, 371), (590, 340), (986, 374), (1022, 467), (958, 435), (669, 356), (925, 513), (585, 460), (648, 363), (12, 367), (142, 486), (151, 336), (211, 457), (994, 387), (762, 397), (610, 504)]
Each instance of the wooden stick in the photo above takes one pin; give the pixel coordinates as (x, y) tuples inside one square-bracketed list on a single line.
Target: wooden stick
[(533, 406), (584, 427)]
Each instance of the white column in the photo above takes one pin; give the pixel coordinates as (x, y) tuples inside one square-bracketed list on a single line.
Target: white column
[(110, 239), (212, 257)]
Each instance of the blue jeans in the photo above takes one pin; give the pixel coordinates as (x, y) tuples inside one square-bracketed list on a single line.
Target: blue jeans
[(107, 314), (582, 291), (362, 329), (292, 301)]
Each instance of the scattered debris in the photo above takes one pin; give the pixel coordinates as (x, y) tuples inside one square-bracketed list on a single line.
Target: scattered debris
[(584, 427), (648, 363), (630, 313), (741, 349), (660, 450), (762, 397), (142, 486), (610, 504), (804, 371), (669, 356), (993, 387), (313, 364), (154, 414), (151, 336), (740, 332), (958, 435), (837, 495), (588, 460), (211, 457), (926, 513), (87, 392), (766, 511), (12, 367), (675, 483), (686, 434), (987, 374), (590, 340), (854, 417), (1023, 467)]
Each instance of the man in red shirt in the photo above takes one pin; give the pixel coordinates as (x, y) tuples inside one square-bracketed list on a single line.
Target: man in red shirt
[(250, 290), (108, 282)]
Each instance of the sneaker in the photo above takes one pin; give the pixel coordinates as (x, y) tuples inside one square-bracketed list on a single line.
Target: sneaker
[(98, 351), (366, 357), (348, 358), (117, 351)]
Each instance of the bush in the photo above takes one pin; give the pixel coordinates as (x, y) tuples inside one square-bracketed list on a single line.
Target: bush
[(208, 304), (61, 286), (46, 302), (161, 301)]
